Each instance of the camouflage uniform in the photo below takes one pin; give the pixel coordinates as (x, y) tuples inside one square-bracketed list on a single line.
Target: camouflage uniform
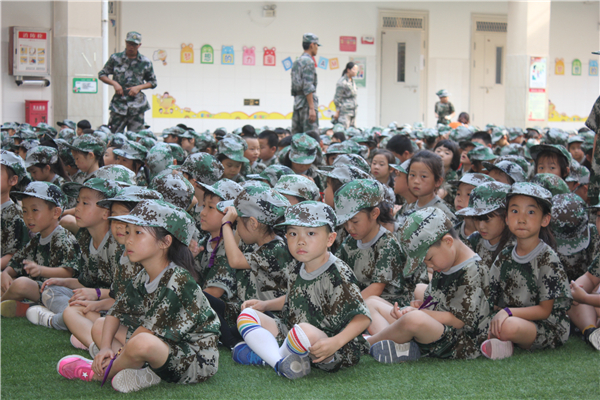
[(304, 82), (305, 150), (593, 122), (98, 266), (437, 203), (128, 111), (203, 168), (299, 186), (175, 189), (442, 110), (15, 234), (159, 159), (345, 100), (450, 189), (271, 174)]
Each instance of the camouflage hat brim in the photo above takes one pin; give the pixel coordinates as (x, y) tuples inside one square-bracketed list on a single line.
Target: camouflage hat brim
[(302, 159), (297, 222), (257, 177), (399, 168), (71, 189), (209, 188), (222, 205), (21, 195), (122, 153), (476, 212), (238, 158), (572, 244)]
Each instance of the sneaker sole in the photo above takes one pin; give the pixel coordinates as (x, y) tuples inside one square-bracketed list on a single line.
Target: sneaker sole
[(126, 381), (389, 352), (595, 339), (13, 308), (93, 350), (69, 356), (79, 345), (294, 366), (500, 349)]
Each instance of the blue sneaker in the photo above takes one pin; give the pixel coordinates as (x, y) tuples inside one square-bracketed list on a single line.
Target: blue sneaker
[(243, 354), (389, 352), (293, 366)]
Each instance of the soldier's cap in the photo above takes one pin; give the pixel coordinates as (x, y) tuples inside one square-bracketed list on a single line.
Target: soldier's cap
[(352, 159), (569, 223), (584, 175), (574, 172), (558, 149), (68, 123), (399, 168), (514, 133), (174, 187), (272, 174), (326, 140), (132, 151), (45, 191), (442, 93), (134, 37), (148, 143), (160, 214), (67, 134), (104, 186), (364, 138), (131, 194), (303, 149), (355, 196), (531, 190), (9, 125), (233, 148), (339, 128), (225, 188), (422, 229), (88, 143), (178, 152), (146, 133), (41, 155), (158, 159), (513, 170), (486, 198), (473, 179), (14, 162), (299, 186), (576, 139), (264, 204), (25, 133), (481, 153), (203, 168), (115, 172), (42, 126), (336, 148), (345, 173), (553, 183), (310, 38), (204, 140), (310, 214)]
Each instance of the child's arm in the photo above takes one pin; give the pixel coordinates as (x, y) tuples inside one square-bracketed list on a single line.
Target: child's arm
[(235, 257), (71, 283), (34, 270), (266, 305), (5, 259), (581, 295), (94, 306), (325, 348), (532, 313), (109, 330), (8, 275), (374, 289), (445, 318)]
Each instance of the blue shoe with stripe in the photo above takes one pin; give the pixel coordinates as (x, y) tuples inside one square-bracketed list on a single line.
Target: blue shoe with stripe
[(243, 354)]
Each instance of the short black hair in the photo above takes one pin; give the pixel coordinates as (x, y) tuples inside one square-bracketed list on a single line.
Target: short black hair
[(84, 124), (272, 138), (306, 45), (248, 131), (483, 135), (453, 147), (286, 141), (315, 135), (88, 130), (400, 144), (339, 136)]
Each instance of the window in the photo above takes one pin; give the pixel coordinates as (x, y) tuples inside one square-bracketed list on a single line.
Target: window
[(401, 62), (499, 65)]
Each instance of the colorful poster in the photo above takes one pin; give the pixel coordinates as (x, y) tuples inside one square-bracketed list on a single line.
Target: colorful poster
[(537, 73), (334, 63), (85, 85), (559, 66), (593, 67), (269, 57), (31, 48), (160, 55), (227, 55), (347, 43), (361, 77), (249, 58), (323, 62), (367, 40), (576, 67), (187, 53), (287, 63), (537, 105), (207, 54)]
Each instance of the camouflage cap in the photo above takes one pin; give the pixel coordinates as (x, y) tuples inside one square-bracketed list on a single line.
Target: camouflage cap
[(104, 186), (178, 152), (472, 179), (114, 172), (337, 148), (67, 134), (254, 183), (513, 170), (556, 136), (174, 188), (45, 191), (148, 143), (486, 198), (205, 140), (203, 168), (134, 37), (366, 138), (299, 186), (584, 175), (531, 190), (9, 125), (303, 149), (25, 134), (442, 93), (498, 133), (264, 204), (41, 155), (68, 123), (310, 38), (88, 143), (14, 162), (272, 174), (42, 126), (481, 153), (461, 134), (422, 229), (515, 133), (160, 214), (399, 168), (574, 172), (356, 195), (558, 149), (345, 173), (131, 194), (569, 223), (339, 128), (226, 189), (310, 214), (513, 149), (232, 148), (354, 160), (146, 133), (159, 158), (132, 151), (29, 144), (553, 183), (326, 140)]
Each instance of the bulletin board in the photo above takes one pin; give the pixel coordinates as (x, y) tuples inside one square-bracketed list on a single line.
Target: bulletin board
[(29, 51)]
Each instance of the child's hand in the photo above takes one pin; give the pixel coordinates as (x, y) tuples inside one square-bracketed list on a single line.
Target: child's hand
[(323, 349), (7, 280), (33, 269), (416, 303), (102, 360), (496, 324), (89, 306), (84, 294), (254, 304), (230, 215), (194, 248), (395, 311), (52, 281), (578, 293), (396, 209), (406, 310)]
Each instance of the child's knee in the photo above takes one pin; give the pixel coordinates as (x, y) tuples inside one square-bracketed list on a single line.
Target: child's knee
[(247, 321), (97, 329), (140, 344), (510, 330), (312, 333)]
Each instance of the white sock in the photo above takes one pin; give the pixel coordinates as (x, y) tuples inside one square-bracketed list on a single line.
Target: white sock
[(260, 340), (296, 342)]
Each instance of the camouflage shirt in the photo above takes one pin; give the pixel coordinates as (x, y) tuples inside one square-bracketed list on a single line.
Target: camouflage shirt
[(128, 73), (304, 81), (270, 265), (220, 275), (484, 248), (98, 266), (451, 190), (267, 163), (442, 110), (125, 272), (80, 177), (437, 203), (345, 96), (577, 264), (466, 295), (594, 267), (59, 249), (380, 261), (15, 234)]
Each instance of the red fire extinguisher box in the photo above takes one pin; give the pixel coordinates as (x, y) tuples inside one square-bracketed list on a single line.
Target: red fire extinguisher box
[(36, 111)]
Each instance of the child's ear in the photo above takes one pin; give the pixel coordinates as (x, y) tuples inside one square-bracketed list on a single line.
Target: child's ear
[(546, 220), (254, 223), (375, 213), (57, 212), (13, 180), (568, 171), (448, 240), (106, 213), (331, 238), (166, 242)]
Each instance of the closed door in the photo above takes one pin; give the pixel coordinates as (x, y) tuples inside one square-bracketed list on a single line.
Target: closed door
[(401, 70)]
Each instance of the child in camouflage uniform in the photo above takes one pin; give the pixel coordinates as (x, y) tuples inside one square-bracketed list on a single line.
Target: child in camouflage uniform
[(88, 152), (15, 234), (52, 252), (231, 155), (529, 285), (43, 164), (450, 154), (323, 311), (132, 155), (301, 157), (453, 319), (162, 319), (297, 188), (552, 159), (465, 186)]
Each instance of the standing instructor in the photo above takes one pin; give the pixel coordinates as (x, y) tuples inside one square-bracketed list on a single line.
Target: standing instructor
[(131, 73), (304, 87)]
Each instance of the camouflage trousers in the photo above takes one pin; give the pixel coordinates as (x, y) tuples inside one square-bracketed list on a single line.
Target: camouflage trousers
[(300, 122), (346, 119), (593, 122), (134, 122)]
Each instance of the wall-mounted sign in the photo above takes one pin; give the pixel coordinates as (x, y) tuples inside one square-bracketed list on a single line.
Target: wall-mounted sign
[(559, 66), (287, 63), (323, 62), (537, 72), (187, 53), (207, 54), (227, 55), (29, 51), (576, 67), (249, 58), (160, 55), (269, 57), (593, 67), (347, 43), (367, 40), (334, 63), (85, 85)]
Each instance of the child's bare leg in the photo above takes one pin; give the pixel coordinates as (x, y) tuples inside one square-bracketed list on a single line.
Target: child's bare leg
[(22, 288), (380, 314), (118, 341), (415, 325), (419, 292), (519, 331), (314, 334), (80, 324)]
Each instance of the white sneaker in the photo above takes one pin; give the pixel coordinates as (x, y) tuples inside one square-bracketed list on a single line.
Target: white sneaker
[(594, 338), (40, 315), (132, 380), (93, 350), (496, 349)]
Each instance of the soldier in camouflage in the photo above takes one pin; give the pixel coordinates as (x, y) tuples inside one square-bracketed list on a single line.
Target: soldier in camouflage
[(345, 96), (444, 110), (304, 87), (593, 122), (131, 73)]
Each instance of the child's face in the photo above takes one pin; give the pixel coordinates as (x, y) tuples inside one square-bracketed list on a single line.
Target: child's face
[(210, 217), (22, 152), (308, 244), (441, 258), (266, 152), (300, 168), (87, 213), (126, 162), (499, 176), (71, 170), (141, 245), (492, 229), (253, 151), (231, 168), (109, 157), (380, 167), (39, 217), (576, 152), (331, 158), (328, 195), (548, 165), (463, 194), (118, 228), (188, 144), (446, 155), (84, 161), (444, 99), (525, 217), (361, 225), (421, 181), (40, 174), (170, 139)]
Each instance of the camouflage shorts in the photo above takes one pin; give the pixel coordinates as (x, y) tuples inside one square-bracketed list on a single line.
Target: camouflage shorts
[(133, 122), (300, 122), (444, 347), (190, 364), (550, 335)]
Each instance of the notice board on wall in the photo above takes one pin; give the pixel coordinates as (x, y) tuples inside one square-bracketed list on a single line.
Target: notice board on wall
[(29, 51)]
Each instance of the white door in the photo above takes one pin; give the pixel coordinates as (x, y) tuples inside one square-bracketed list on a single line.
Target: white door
[(401, 86), (487, 79)]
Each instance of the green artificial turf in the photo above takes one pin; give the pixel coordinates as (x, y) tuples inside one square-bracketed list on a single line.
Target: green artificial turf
[(30, 353)]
